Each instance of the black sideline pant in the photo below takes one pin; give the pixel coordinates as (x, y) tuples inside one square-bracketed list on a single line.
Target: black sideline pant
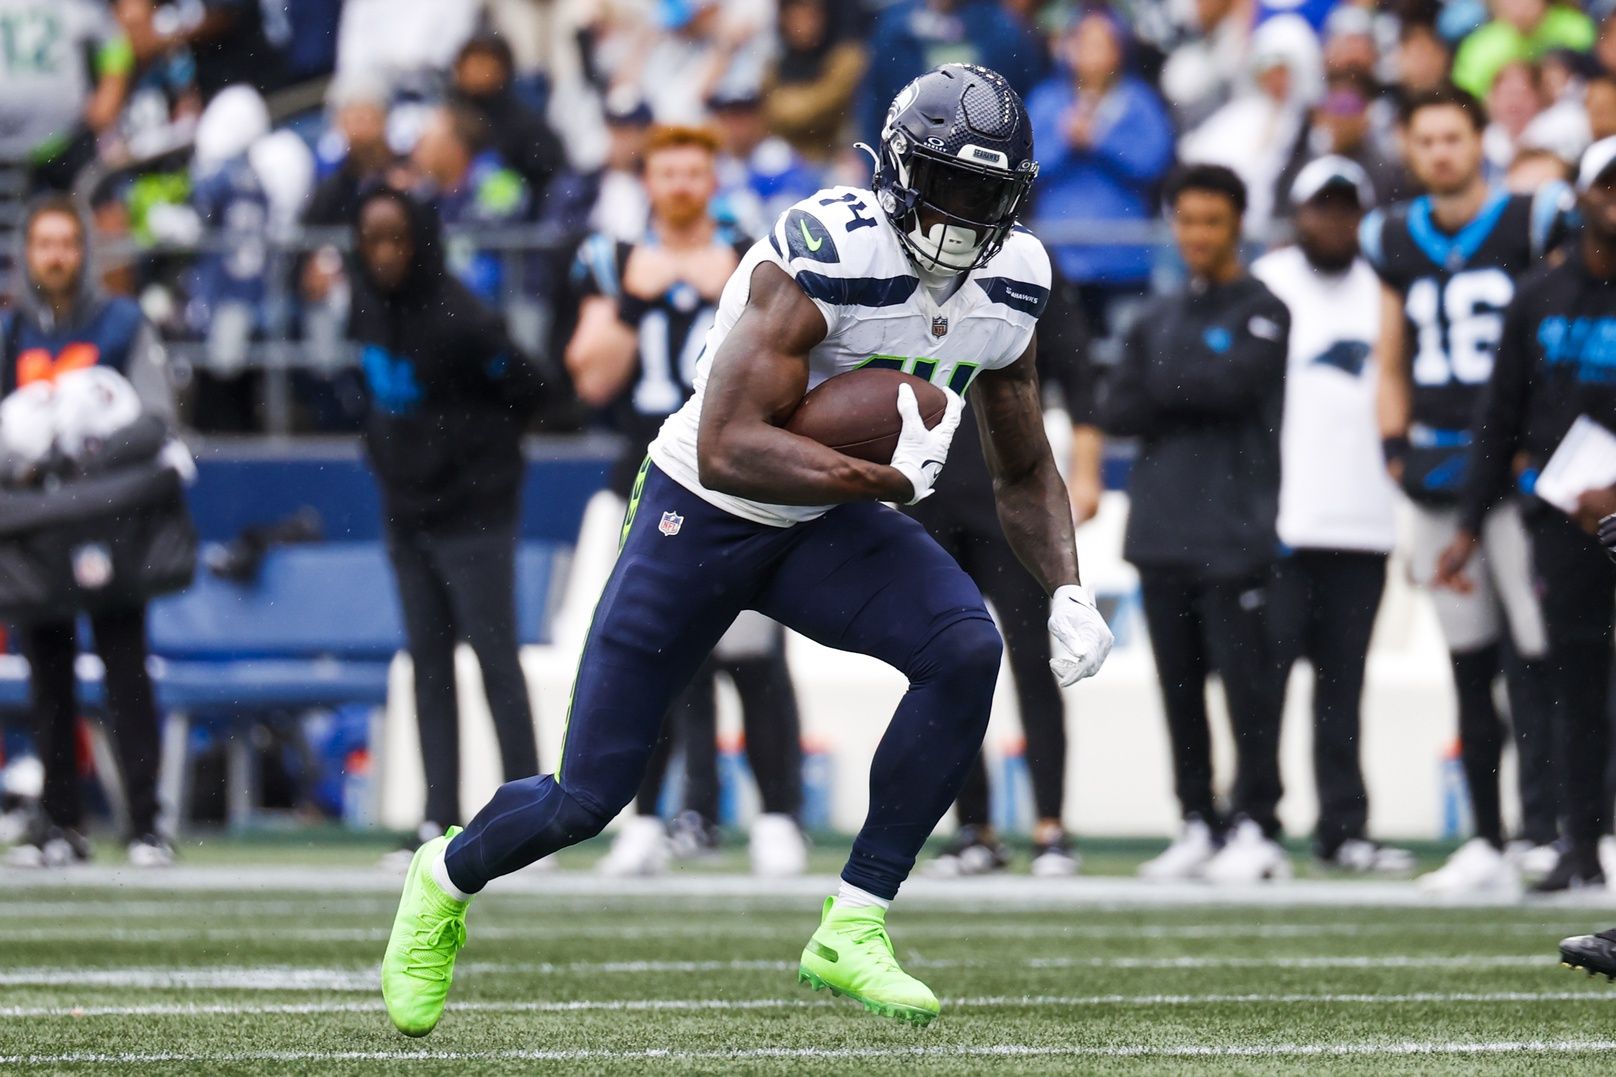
[(452, 588), (1197, 626), (120, 640), (1322, 609)]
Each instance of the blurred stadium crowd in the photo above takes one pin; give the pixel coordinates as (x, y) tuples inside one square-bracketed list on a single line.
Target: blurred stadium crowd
[(220, 142)]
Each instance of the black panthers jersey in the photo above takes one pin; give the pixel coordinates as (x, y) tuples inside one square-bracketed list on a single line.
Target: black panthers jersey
[(1455, 287), (672, 331)]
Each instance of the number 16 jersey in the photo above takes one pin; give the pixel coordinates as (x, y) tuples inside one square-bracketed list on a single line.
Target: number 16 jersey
[(844, 254), (1455, 287)]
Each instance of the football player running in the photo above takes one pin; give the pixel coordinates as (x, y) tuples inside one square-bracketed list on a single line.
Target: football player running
[(928, 273)]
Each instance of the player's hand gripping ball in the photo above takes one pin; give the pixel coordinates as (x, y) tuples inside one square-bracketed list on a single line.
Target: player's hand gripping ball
[(1082, 638), (885, 417)]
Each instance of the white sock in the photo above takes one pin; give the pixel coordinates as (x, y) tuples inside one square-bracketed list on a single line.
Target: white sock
[(440, 875), (851, 897)]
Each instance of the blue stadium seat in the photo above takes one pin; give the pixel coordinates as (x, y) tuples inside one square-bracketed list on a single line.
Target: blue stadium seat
[(319, 627)]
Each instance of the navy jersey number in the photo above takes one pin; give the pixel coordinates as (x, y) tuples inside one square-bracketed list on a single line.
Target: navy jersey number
[(855, 205)]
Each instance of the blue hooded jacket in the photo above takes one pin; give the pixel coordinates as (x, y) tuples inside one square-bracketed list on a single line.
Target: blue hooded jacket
[(1111, 180)]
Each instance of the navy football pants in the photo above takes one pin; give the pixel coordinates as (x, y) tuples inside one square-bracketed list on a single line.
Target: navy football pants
[(861, 578)]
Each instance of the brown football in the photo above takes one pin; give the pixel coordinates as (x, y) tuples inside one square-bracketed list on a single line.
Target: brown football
[(857, 413)]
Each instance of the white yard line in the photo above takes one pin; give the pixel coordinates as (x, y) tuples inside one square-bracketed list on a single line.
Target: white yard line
[(999, 892), (289, 978), (682, 928), (1005, 1050), (17, 1013)]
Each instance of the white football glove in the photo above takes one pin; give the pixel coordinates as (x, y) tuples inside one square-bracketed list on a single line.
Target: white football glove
[(1082, 639), (921, 453)]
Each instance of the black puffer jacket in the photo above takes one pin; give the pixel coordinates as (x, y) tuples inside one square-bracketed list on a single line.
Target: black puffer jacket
[(1201, 384), (448, 393)]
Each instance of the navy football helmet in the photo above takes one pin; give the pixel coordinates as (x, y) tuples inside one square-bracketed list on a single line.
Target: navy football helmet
[(954, 166)]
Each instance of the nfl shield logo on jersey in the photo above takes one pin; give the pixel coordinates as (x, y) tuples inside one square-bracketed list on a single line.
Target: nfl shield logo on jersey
[(671, 523), (939, 326)]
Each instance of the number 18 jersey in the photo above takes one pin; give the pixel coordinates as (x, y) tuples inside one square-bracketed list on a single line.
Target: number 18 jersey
[(845, 256), (1455, 288)]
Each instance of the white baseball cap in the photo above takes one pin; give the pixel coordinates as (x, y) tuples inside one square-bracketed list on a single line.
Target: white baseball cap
[(1332, 170), (1596, 161)]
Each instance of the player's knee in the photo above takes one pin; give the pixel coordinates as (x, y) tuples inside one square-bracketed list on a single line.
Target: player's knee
[(581, 818), (966, 653)]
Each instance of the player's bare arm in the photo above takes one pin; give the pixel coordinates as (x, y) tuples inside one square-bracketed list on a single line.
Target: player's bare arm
[(1393, 395), (758, 378), (600, 357), (1032, 498)]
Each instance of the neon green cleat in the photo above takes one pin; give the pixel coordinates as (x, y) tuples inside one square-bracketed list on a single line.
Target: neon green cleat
[(428, 931), (851, 954)]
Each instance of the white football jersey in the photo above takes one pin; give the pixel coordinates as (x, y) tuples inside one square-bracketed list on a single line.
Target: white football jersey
[(844, 253)]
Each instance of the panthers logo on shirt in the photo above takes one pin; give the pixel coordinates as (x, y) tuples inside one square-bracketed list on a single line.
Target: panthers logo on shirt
[(843, 253)]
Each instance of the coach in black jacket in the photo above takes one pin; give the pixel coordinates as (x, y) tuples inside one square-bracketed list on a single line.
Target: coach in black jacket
[(1201, 385), (1556, 362), (449, 395)]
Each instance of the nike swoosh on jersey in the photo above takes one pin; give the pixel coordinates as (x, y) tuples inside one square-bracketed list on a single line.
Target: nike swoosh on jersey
[(814, 243)]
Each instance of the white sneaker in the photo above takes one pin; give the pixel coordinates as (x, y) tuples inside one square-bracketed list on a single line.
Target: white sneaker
[(641, 848), (1535, 861), (1055, 859), (151, 851), (776, 847), (1248, 856), (14, 826), (1476, 869), (1185, 858), (1364, 857)]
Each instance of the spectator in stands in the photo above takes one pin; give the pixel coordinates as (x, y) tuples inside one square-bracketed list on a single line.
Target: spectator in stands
[(361, 156), (1201, 384), (621, 209), (1514, 102), (1520, 30), (470, 184), (1561, 128), (1343, 125), (695, 50), (62, 322), (68, 90), (449, 395), (759, 175), (162, 84), (403, 43), (1104, 140), (808, 92), (483, 75), (1422, 61), (1532, 169), (1600, 101), (1337, 506), (1202, 74), (645, 307), (911, 37), (1255, 132), (225, 287), (225, 38)]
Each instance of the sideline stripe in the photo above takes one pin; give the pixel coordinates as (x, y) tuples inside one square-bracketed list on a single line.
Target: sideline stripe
[(288, 978), (787, 1002), (682, 928), (1002, 1050)]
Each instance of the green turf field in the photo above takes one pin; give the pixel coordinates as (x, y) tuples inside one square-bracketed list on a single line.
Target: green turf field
[(220, 968)]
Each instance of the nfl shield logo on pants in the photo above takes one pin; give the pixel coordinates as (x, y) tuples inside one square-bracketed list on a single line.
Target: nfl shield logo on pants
[(671, 523), (939, 326)]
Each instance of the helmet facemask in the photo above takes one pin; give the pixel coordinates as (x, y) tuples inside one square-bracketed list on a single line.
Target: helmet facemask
[(952, 213)]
